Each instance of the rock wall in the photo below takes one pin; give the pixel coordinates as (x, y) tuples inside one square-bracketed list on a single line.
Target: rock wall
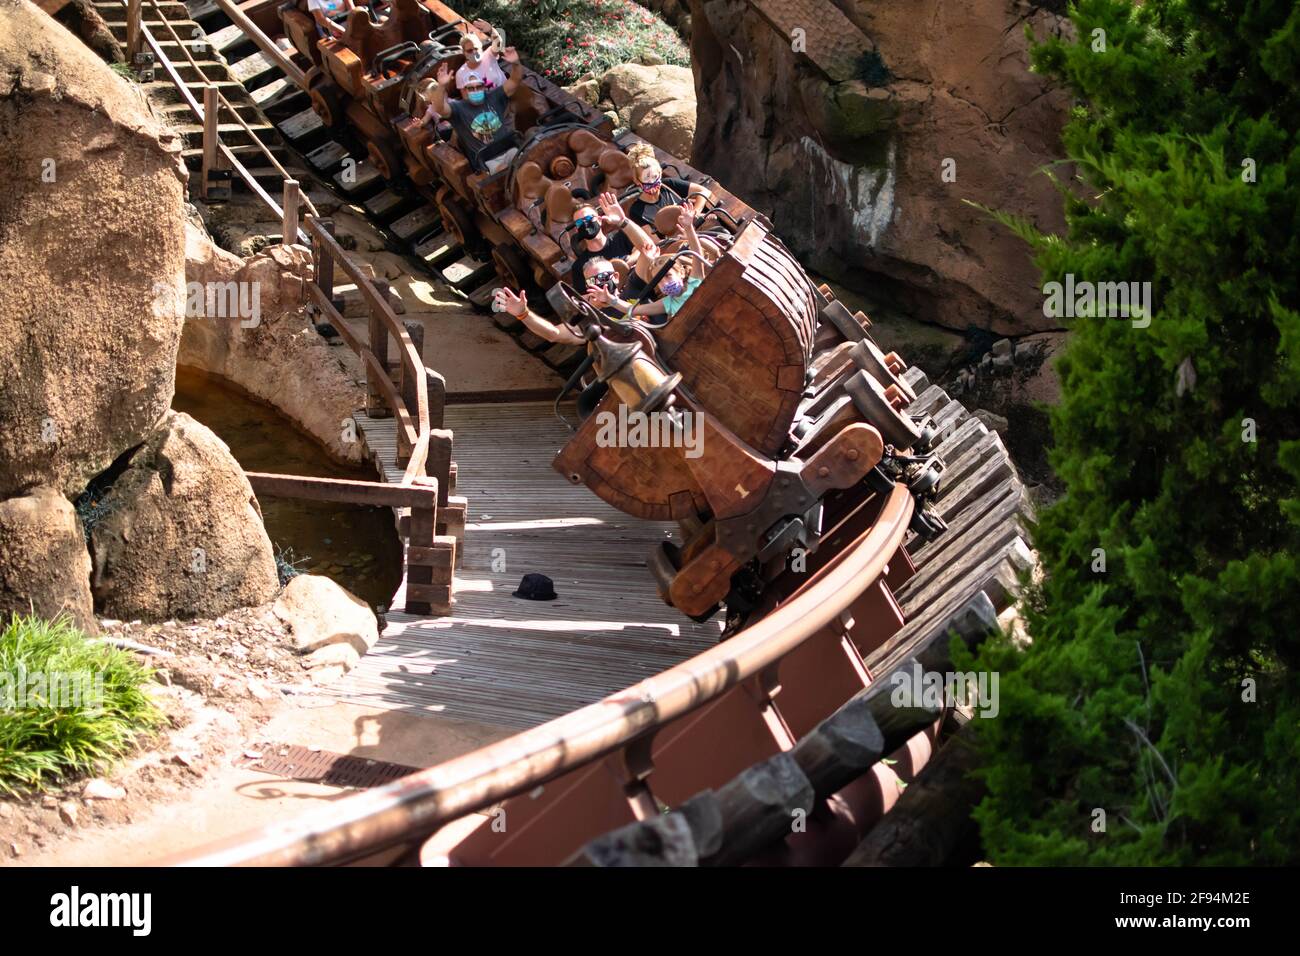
[(867, 144), (91, 225), (44, 566), (326, 386), (93, 271)]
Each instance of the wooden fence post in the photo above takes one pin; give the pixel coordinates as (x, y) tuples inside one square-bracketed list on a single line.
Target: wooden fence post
[(437, 386), (133, 34), (409, 384), (325, 261), (289, 227), (210, 115), (376, 407)]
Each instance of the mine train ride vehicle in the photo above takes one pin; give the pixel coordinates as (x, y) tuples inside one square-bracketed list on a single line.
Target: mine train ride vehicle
[(801, 412)]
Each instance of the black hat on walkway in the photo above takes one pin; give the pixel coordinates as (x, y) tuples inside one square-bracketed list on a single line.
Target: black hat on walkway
[(536, 587)]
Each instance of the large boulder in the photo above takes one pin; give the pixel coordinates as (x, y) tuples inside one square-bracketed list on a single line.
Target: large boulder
[(180, 533), (91, 227), (657, 102), (44, 565), (866, 135)]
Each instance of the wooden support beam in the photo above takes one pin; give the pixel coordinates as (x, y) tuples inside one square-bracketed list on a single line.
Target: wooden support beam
[(289, 226), (323, 256), (412, 377), (437, 386), (376, 405), (345, 490), (211, 114), (933, 816), (133, 36), (425, 594), (737, 821)]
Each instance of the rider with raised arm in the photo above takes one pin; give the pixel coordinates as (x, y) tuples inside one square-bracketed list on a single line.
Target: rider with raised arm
[(657, 192), (630, 242), (481, 117), (479, 61), (328, 15), (676, 285)]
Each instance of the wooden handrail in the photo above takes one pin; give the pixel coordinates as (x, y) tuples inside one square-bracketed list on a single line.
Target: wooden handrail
[(344, 490), (221, 98), (422, 802), (170, 69), (413, 422)]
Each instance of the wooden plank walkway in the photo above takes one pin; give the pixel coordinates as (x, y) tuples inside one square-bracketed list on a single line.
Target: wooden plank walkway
[(502, 660)]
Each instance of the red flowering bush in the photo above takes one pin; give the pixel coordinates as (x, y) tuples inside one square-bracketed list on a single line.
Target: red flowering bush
[(566, 39)]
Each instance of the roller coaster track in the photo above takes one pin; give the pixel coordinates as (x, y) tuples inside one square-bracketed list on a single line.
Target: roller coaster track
[(794, 714), (816, 666)]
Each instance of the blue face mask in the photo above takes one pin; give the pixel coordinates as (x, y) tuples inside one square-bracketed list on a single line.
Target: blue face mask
[(475, 96)]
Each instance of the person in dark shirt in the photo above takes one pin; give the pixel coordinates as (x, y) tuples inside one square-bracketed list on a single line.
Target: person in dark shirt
[(657, 192), (590, 240), (481, 116)]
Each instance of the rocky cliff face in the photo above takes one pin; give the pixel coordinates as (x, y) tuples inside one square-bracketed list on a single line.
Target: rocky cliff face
[(93, 270), (91, 226), (864, 128)]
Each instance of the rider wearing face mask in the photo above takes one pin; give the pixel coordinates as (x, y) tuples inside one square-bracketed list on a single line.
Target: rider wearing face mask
[(481, 116), (590, 241), (675, 287), (480, 62), (656, 192)]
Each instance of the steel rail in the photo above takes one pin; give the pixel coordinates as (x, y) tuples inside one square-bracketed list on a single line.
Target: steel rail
[(415, 806)]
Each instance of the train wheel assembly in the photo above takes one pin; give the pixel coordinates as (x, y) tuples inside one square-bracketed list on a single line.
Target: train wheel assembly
[(328, 105), (458, 220), (874, 404), (384, 158)]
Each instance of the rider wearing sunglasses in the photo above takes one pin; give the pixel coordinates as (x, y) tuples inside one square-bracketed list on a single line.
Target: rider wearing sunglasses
[(591, 242)]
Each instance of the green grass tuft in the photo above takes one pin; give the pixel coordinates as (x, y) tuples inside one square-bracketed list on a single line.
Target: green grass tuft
[(67, 705)]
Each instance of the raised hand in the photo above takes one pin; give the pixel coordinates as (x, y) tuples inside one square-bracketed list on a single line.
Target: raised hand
[(445, 76), (610, 209), (507, 301), (686, 219), (598, 296), (510, 55)]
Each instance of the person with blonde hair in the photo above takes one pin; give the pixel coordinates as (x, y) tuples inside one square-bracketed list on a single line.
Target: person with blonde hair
[(480, 62), (656, 192)]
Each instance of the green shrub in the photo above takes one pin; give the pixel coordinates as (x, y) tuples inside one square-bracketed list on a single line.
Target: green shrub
[(66, 704), (1161, 686), (567, 39)]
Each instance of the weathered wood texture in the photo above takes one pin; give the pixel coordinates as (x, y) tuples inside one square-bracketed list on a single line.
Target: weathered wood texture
[(502, 660), (932, 817), (962, 580)]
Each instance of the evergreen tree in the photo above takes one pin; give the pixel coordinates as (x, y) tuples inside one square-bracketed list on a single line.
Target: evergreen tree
[(1160, 687)]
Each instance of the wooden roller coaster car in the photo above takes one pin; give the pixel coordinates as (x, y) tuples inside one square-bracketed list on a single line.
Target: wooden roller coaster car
[(794, 401), (368, 80), (790, 400)]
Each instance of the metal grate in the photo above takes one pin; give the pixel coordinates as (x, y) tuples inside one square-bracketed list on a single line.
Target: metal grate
[(322, 766)]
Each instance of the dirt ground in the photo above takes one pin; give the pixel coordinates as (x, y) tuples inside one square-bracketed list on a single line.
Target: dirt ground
[(229, 689)]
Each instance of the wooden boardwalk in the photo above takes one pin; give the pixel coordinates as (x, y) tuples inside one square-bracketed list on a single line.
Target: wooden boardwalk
[(502, 660)]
